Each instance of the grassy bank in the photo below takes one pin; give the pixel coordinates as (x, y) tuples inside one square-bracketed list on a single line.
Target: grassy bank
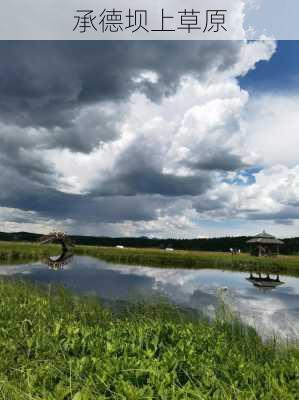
[(55, 346), (193, 259), (11, 252)]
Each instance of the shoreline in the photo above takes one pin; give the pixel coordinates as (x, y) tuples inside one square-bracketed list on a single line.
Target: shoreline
[(15, 253)]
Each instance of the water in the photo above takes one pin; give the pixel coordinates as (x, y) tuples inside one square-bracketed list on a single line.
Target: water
[(271, 312)]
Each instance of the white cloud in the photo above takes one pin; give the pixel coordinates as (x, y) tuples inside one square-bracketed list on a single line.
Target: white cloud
[(272, 122), (251, 54), (209, 126)]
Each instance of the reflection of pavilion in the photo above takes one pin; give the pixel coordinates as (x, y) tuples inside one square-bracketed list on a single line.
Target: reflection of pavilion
[(266, 282)]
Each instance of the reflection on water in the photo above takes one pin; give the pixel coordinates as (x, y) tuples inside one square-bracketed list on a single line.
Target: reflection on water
[(265, 282), (66, 254), (269, 311)]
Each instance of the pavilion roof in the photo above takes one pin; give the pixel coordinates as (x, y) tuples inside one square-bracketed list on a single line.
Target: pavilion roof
[(265, 238)]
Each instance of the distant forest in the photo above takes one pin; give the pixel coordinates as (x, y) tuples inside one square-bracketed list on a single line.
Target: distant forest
[(291, 245)]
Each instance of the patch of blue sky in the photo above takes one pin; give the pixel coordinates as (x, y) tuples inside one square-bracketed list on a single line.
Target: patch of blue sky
[(279, 74), (245, 177)]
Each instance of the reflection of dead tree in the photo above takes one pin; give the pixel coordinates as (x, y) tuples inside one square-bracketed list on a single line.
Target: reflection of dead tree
[(66, 249)]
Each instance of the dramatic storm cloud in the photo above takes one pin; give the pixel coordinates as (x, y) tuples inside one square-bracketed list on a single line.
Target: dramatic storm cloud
[(46, 84), (150, 138)]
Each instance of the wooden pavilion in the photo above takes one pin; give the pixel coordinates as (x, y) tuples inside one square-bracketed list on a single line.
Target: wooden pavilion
[(264, 244)]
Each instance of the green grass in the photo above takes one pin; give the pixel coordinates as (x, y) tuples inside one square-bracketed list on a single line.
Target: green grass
[(11, 252), (193, 259), (57, 346)]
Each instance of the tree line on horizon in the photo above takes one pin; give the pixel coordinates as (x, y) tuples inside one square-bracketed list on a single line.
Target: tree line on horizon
[(223, 244)]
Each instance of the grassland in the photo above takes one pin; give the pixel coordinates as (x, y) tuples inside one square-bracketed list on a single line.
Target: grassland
[(11, 252), (193, 259), (14, 253), (55, 346)]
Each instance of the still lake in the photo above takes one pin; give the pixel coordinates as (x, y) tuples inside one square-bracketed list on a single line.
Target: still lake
[(270, 311)]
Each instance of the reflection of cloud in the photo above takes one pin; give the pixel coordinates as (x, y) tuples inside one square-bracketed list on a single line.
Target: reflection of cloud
[(186, 279), (276, 311), (10, 270), (205, 302), (268, 312)]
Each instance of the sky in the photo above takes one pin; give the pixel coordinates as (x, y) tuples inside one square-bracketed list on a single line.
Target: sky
[(158, 139)]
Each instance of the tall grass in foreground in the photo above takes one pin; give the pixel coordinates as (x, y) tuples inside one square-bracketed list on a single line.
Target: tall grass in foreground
[(57, 346)]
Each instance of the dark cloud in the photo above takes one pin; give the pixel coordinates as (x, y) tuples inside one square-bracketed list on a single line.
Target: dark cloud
[(221, 161), (150, 181), (17, 153), (21, 193), (92, 126), (204, 204), (286, 222), (46, 84), (284, 216), (72, 95), (136, 171)]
